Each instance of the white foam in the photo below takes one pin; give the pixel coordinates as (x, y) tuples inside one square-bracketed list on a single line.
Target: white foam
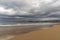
[(19, 24)]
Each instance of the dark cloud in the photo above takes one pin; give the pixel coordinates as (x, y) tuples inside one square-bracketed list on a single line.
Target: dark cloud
[(24, 8), (30, 11)]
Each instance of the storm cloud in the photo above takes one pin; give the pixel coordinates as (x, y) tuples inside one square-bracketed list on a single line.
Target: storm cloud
[(30, 9)]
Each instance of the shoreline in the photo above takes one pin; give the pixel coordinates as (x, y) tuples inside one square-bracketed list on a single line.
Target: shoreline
[(28, 24), (21, 29), (18, 31)]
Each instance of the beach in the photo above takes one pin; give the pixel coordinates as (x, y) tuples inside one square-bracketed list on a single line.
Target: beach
[(30, 32), (46, 34)]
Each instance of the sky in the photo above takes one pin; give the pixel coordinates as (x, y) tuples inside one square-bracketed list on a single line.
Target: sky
[(32, 9)]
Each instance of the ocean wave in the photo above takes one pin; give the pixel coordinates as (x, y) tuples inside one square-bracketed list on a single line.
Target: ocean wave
[(20, 24)]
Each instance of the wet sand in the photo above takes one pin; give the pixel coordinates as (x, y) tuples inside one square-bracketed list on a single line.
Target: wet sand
[(15, 30), (8, 32), (46, 34)]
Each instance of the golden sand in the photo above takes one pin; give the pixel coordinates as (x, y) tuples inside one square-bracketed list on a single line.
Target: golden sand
[(48, 34)]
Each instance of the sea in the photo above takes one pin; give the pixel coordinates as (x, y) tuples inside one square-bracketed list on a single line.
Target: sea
[(17, 21)]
